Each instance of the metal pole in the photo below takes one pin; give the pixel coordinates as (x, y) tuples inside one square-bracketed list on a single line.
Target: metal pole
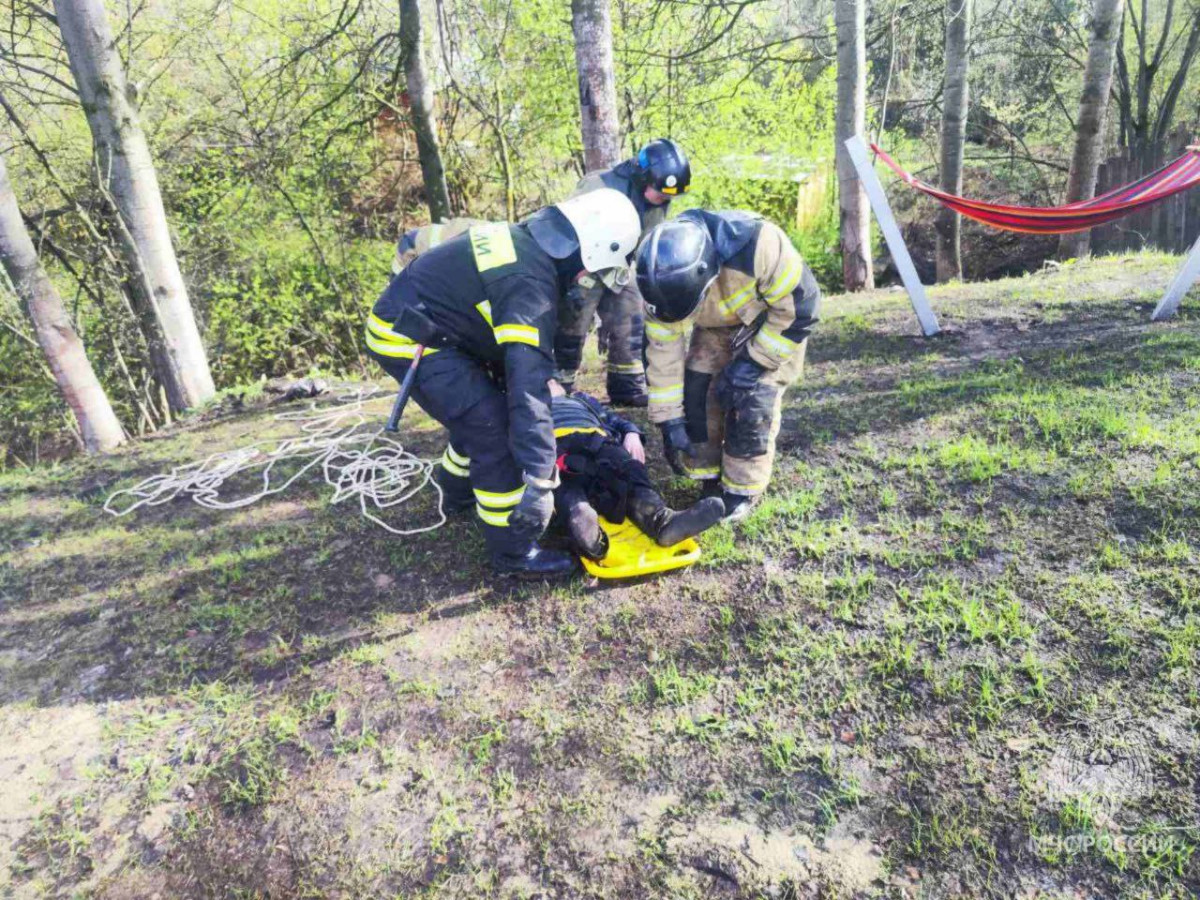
[(891, 234), (1183, 280), (393, 423)]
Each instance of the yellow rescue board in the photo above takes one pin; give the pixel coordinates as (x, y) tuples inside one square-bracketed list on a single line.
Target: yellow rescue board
[(631, 553)]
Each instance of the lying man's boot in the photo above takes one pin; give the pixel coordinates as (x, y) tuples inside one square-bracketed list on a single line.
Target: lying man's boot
[(584, 527), (738, 506), (668, 527), (535, 563)]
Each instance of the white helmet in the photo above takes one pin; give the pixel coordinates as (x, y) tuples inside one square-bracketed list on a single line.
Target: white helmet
[(608, 227)]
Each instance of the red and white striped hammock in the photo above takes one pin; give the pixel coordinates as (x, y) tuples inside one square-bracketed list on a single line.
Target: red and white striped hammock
[(1171, 179)]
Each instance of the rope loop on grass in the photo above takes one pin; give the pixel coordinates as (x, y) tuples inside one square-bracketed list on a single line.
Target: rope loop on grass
[(367, 465)]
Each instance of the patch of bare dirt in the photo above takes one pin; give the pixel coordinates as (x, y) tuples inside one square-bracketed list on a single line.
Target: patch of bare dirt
[(44, 755), (765, 861)]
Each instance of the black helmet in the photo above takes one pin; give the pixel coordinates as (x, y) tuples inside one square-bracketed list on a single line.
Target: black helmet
[(664, 166), (676, 263)]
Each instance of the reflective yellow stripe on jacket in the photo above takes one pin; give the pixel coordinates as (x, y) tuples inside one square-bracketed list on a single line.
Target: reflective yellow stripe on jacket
[(786, 283), (516, 334), (563, 432), (385, 341), (776, 343)]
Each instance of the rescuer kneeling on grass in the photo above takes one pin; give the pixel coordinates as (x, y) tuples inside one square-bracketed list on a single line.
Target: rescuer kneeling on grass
[(753, 302), (485, 306), (603, 466)]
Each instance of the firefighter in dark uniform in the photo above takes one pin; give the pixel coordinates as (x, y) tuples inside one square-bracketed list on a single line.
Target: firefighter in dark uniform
[(659, 173), (717, 395), (485, 305)]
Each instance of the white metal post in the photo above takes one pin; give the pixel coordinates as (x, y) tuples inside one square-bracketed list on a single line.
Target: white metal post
[(891, 234), (1184, 279)]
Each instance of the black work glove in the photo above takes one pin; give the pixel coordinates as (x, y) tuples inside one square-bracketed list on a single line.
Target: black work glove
[(532, 514), (675, 441), (737, 381)]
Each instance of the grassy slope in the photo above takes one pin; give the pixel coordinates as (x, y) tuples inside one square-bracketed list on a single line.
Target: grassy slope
[(966, 617)]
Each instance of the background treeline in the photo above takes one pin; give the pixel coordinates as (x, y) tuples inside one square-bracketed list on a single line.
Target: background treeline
[(285, 144)]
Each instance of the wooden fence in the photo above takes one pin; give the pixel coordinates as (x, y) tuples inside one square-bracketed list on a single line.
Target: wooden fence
[(1172, 225)]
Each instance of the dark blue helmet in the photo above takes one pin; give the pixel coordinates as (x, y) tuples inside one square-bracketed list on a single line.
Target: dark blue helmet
[(676, 263), (664, 166)]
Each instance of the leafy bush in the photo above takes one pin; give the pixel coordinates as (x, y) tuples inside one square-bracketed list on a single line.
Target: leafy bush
[(287, 313)]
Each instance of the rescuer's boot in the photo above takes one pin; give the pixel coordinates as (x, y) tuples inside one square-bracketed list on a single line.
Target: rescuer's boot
[(738, 506), (627, 389), (535, 563)]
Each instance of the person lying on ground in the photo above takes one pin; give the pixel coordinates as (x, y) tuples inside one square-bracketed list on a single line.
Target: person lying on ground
[(601, 462)]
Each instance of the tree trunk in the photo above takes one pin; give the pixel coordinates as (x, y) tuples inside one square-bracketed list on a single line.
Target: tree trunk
[(98, 424), (955, 93), (420, 99), (1093, 110), (125, 172), (854, 209), (591, 21)]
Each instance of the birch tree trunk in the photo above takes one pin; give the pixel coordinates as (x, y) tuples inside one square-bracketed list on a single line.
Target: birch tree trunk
[(955, 93), (1093, 110), (420, 99), (64, 351), (591, 20), (855, 211), (125, 171)]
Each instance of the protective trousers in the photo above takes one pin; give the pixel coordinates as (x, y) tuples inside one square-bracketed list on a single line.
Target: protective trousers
[(621, 320), (736, 446), (458, 391)]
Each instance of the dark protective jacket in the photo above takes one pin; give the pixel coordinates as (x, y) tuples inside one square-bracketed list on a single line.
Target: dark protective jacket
[(580, 413), (623, 177), (493, 294)]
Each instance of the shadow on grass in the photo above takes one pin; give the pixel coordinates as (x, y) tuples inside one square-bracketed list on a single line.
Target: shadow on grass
[(176, 595)]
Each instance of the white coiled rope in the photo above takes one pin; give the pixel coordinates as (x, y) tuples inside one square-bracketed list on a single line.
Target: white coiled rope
[(368, 465)]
